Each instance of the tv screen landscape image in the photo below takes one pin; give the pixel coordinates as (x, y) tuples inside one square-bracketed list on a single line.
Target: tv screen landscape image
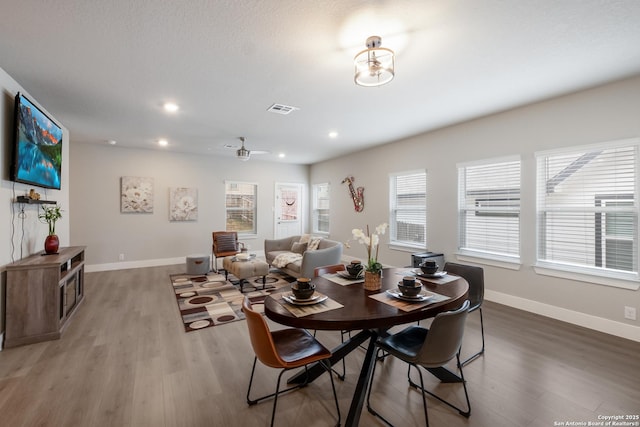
[(37, 152)]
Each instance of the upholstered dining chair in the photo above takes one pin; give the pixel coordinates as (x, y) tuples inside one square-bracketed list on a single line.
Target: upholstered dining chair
[(225, 243), (284, 349), (475, 277), (427, 348), (327, 269)]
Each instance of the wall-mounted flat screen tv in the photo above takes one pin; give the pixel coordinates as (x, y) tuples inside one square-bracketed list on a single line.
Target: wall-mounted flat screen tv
[(37, 152)]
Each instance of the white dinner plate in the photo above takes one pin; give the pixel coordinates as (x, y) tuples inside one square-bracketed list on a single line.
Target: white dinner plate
[(313, 300), (436, 275), (422, 296)]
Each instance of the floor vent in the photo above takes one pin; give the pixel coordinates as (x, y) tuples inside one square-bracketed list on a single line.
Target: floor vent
[(281, 109)]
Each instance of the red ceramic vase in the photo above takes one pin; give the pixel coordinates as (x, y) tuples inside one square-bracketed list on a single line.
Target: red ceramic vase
[(51, 244)]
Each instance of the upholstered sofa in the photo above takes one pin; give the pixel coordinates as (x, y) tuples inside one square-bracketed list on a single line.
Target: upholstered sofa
[(304, 260)]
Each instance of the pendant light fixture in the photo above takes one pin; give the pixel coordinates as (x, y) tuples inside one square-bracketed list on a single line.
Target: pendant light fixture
[(375, 64)]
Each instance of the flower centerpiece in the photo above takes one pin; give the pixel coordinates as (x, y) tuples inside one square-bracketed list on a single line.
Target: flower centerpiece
[(373, 268), (51, 214)]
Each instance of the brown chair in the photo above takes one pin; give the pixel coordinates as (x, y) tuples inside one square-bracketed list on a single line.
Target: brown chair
[(284, 349), (327, 269), (225, 243), (475, 277)]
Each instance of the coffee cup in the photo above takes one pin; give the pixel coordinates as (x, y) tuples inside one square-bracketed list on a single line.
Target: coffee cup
[(408, 281), (304, 283), (355, 268)]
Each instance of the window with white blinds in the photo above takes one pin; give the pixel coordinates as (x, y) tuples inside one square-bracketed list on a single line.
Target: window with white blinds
[(489, 209), (587, 209), (320, 208), (408, 206), (241, 207)]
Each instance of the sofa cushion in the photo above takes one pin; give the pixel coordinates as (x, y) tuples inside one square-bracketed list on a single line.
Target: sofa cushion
[(305, 238), (226, 243), (314, 243), (298, 247)]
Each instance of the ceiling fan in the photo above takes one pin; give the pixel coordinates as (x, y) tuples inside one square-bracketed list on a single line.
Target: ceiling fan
[(242, 153)]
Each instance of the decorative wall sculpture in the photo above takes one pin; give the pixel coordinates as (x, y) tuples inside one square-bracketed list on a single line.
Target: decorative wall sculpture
[(136, 194), (356, 194), (183, 204)]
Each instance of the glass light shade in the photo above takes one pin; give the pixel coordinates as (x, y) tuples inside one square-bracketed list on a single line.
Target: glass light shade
[(374, 66)]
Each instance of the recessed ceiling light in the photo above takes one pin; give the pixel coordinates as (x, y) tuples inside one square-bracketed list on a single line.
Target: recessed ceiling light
[(282, 155), (333, 134), (163, 142), (171, 107), (112, 142)]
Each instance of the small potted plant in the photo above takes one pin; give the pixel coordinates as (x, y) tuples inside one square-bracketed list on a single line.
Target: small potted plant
[(373, 268), (50, 214)]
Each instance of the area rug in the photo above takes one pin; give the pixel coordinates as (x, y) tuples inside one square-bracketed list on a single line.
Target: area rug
[(210, 300)]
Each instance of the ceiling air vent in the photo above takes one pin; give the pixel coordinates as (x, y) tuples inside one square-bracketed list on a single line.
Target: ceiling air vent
[(281, 109)]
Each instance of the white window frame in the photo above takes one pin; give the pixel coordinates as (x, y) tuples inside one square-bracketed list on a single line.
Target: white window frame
[(394, 208), (587, 271), (502, 194), (229, 209), (316, 202)]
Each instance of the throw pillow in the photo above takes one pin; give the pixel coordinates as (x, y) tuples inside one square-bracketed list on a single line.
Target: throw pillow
[(226, 243), (298, 248), (314, 243), (305, 238)]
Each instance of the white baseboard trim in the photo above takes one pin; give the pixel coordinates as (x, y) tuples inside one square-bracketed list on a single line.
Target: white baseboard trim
[(134, 264), (600, 324), (145, 263)]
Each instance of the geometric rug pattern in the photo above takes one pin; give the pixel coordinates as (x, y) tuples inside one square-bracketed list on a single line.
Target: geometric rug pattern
[(209, 300)]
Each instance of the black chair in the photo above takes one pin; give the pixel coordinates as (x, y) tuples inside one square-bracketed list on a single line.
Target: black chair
[(284, 349), (427, 348), (475, 277)]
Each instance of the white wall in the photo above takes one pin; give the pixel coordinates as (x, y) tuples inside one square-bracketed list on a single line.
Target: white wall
[(601, 114), (23, 237), (151, 239)]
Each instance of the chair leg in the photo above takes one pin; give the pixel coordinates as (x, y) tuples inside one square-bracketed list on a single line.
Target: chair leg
[(481, 352), (326, 366), (251, 401), (424, 397), (463, 412), (369, 407)]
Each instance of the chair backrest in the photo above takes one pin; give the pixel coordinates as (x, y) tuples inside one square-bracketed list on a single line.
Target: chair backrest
[(474, 276), (225, 241), (261, 339), (326, 269), (444, 338)]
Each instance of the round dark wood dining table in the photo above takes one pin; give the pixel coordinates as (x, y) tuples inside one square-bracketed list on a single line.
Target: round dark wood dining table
[(369, 316)]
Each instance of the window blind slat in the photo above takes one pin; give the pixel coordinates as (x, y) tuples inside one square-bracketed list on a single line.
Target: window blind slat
[(489, 206), (587, 209), (408, 209)]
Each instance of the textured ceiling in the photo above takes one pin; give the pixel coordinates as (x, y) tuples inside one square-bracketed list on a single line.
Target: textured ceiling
[(104, 69)]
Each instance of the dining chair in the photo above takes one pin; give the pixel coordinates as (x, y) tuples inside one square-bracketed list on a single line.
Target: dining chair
[(328, 269), (225, 243), (475, 277), (427, 348), (284, 349)]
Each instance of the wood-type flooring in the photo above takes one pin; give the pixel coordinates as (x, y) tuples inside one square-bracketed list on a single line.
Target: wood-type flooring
[(125, 360)]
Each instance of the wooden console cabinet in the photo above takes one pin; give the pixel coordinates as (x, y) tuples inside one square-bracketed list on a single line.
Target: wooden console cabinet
[(43, 292)]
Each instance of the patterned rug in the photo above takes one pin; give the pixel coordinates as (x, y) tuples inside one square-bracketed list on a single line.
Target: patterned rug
[(209, 300)]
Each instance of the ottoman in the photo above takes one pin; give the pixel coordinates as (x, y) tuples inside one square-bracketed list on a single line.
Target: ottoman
[(243, 269), (197, 264)]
